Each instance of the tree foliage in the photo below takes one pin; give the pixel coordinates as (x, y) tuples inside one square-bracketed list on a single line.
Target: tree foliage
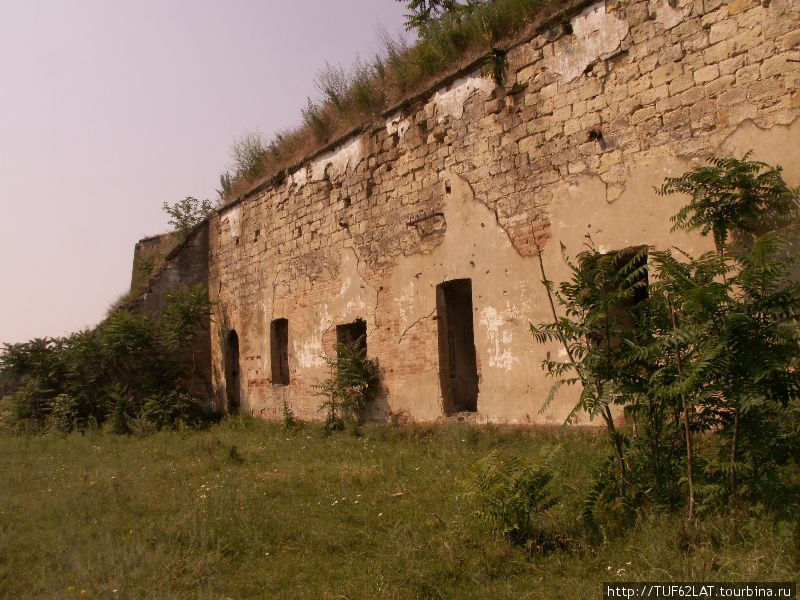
[(187, 214), (713, 349), (129, 368)]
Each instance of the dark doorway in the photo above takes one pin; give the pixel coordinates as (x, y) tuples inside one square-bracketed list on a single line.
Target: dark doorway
[(279, 351), (458, 368), (232, 383), (349, 333)]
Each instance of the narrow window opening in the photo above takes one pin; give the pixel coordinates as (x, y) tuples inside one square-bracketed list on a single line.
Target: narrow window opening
[(232, 378), (347, 202), (350, 333), (458, 368), (279, 351), (625, 268)]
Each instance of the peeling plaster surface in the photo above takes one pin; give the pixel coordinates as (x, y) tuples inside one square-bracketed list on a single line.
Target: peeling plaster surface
[(483, 191), (308, 351), (233, 216), (666, 15), (338, 161), (501, 354), (397, 124), (475, 247), (777, 145), (450, 101), (299, 178), (404, 301), (594, 33)]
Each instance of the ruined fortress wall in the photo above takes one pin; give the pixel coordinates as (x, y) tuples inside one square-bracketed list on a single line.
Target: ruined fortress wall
[(178, 265), (149, 255), (471, 180)]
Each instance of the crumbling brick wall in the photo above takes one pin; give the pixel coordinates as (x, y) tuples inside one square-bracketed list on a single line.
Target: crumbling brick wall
[(474, 180)]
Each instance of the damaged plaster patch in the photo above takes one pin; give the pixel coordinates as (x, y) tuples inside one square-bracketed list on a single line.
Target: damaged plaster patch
[(347, 156), (309, 352), (233, 217), (667, 15), (450, 101), (594, 33), (499, 337), (405, 303), (397, 124), (299, 178)]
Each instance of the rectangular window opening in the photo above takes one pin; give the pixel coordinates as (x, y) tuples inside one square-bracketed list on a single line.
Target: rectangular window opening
[(458, 365), (617, 266), (350, 333), (279, 351)]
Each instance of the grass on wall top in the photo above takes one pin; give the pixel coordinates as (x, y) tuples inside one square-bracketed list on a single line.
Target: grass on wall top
[(352, 98)]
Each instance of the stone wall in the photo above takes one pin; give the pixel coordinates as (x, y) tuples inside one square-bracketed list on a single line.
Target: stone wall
[(149, 256), (473, 180), (183, 266)]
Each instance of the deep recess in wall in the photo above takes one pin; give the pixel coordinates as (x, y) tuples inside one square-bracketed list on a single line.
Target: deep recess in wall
[(349, 333), (232, 383), (279, 351), (458, 368)]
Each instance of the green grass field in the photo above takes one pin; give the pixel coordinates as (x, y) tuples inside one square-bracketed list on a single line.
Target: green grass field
[(248, 510)]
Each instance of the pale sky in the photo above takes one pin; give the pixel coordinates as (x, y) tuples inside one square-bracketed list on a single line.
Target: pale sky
[(108, 108)]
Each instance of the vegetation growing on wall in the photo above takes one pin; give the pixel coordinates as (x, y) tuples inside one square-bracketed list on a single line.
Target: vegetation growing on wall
[(187, 214), (131, 371), (449, 34), (707, 365), (352, 384)]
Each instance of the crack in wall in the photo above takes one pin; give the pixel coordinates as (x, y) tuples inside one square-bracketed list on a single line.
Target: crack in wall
[(407, 329)]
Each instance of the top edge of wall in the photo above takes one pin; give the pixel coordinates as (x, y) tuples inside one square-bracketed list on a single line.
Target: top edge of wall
[(551, 15)]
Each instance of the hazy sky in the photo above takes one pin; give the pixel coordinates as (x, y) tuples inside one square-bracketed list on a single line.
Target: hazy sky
[(109, 108)]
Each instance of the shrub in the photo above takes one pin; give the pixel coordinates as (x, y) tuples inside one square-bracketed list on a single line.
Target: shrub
[(713, 348), (512, 497), (186, 214), (289, 419), (353, 383), (171, 410), (128, 367), (248, 153), (65, 414)]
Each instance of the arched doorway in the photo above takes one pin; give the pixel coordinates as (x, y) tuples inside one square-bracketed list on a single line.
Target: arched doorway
[(232, 383)]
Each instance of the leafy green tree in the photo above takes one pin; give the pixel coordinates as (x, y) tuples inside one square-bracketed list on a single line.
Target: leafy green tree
[(187, 214), (591, 331), (748, 200), (128, 367), (732, 197), (715, 347)]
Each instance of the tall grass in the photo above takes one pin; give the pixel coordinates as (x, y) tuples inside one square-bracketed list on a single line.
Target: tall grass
[(349, 98), (248, 509)]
